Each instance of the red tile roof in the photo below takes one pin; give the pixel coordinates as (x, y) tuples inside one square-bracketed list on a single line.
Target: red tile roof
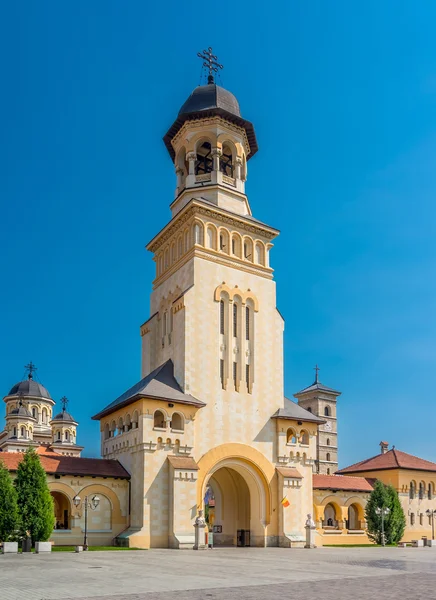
[(339, 482), (393, 459), (56, 464)]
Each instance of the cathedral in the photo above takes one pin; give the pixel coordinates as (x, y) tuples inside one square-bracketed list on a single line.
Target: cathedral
[(207, 427)]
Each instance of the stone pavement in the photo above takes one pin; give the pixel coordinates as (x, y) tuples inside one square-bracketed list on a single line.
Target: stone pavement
[(243, 573)]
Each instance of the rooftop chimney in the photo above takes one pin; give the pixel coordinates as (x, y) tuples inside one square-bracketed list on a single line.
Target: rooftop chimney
[(384, 447)]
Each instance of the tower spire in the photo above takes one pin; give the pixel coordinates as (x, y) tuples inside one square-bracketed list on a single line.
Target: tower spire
[(210, 62), (316, 369)]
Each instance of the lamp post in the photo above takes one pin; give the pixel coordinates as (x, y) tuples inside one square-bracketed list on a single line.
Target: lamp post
[(87, 503), (431, 513), (384, 511)]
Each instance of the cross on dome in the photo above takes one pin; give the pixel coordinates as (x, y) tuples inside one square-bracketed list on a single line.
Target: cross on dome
[(316, 369), (31, 369), (64, 402), (210, 62)]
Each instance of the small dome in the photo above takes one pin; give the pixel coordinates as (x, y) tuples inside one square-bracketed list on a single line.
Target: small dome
[(64, 416), (29, 387), (21, 411), (208, 97)]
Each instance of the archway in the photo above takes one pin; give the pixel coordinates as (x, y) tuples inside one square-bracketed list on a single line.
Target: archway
[(353, 517), (235, 503), (62, 510), (330, 520)]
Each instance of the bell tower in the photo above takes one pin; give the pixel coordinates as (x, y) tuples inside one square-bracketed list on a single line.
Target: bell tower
[(321, 401)]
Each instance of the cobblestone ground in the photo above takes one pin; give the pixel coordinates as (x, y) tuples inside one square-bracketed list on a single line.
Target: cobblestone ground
[(246, 574)]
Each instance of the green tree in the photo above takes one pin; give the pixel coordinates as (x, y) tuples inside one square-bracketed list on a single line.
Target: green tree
[(35, 504), (8, 505), (381, 497)]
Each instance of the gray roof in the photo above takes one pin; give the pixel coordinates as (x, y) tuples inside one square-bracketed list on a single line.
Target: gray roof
[(205, 97), (317, 386), (21, 411), (294, 411), (210, 100), (28, 387), (160, 384), (64, 416)]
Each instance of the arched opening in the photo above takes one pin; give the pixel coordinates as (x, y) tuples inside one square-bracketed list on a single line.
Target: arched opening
[(260, 254), (62, 510), (248, 249), (238, 503), (430, 491), (182, 168), (421, 490), (330, 521), (412, 490), (159, 419), (34, 413), (291, 437), (177, 422), (326, 411), (44, 416), (211, 237), (236, 246), (353, 517), (204, 162), (67, 436), (309, 409), (100, 518), (327, 457), (106, 431), (328, 441), (224, 241), (226, 160), (304, 437)]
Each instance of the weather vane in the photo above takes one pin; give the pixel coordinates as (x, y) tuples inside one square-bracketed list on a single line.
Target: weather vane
[(64, 401), (210, 62), (316, 369), (31, 368)]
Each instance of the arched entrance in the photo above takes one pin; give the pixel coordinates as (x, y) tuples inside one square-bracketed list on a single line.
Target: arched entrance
[(235, 503), (62, 510)]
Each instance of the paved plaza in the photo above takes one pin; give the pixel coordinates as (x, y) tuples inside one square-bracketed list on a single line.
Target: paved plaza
[(245, 573)]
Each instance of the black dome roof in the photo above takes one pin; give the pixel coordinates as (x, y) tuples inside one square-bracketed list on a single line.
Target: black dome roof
[(29, 387), (206, 97), (64, 416), (21, 411), (208, 101)]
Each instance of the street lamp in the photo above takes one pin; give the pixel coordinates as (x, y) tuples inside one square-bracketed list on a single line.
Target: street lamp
[(431, 514), (87, 503), (383, 512)]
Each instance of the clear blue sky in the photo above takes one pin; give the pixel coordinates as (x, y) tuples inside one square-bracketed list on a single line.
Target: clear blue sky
[(342, 96)]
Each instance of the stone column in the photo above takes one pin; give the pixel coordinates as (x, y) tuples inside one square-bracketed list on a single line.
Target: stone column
[(179, 174), (191, 158), (310, 532), (200, 532), (238, 167), (216, 155)]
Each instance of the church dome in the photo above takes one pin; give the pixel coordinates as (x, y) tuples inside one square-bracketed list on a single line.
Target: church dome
[(209, 101), (21, 411), (64, 416), (29, 387), (207, 97)]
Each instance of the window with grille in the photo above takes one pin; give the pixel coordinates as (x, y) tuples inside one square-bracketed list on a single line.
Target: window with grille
[(222, 317), (247, 376), (235, 320), (247, 323), (222, 372), (235, 372)]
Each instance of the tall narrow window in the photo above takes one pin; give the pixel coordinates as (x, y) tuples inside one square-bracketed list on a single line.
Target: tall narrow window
[(235, 373), (247, 323), (233, 246), (247, 376), (235, 320), (164, 325), (171, 320), (222, 372), (222, 317), (221, 241), (328, 456)]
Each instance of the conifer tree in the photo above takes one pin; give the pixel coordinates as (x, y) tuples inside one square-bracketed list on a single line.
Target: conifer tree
[(35, 504), (8, 505), (381, 497)]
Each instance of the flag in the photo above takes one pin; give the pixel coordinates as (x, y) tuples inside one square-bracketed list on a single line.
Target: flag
[(285, 502)]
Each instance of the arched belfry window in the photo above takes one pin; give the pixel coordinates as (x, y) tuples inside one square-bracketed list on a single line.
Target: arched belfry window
[(226, 161), (204, 162), (327, 411)]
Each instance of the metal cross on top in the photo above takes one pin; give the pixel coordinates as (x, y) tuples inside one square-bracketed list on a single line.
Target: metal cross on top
[(31, 368), (64, 401), (316, 369), (210, 62)]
